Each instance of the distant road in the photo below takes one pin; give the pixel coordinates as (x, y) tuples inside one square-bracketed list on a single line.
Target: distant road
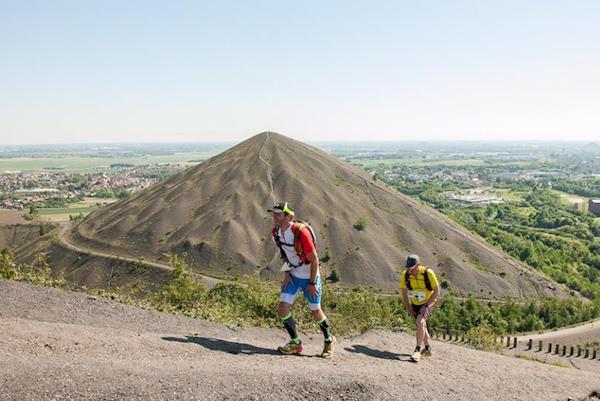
[(210, 282), (579, 334)]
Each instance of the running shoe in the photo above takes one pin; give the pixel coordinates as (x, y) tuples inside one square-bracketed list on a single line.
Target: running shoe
[(290, 348), (329, 348), (416, 356)]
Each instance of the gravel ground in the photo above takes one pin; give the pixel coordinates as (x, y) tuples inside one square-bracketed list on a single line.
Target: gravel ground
[(57, 345)]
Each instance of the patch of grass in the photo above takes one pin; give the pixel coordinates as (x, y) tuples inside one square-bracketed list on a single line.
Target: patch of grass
[(536, 359), (39, 272), (483, 338), (334, 277), (360, 224), (474, 259)]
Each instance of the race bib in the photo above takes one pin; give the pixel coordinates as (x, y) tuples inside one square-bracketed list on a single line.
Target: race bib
[(418, 295)]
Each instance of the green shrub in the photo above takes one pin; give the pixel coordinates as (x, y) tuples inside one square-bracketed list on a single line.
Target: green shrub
[(361, 224), (327, 256), (182, 292), (39, 272), (334, 277), (483, 337)]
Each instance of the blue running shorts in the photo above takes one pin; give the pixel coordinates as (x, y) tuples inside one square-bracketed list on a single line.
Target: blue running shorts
[(293, 288)]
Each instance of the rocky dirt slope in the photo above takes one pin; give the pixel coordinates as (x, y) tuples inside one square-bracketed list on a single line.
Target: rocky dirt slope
[(215, 213), (58, 345)]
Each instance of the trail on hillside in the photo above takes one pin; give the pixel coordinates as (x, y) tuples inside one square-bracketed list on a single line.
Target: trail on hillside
[(583, 333), (62, 237), (269, 167), (61, 345)]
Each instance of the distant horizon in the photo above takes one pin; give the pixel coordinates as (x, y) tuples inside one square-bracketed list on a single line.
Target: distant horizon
[(352, 141), (365, 141)]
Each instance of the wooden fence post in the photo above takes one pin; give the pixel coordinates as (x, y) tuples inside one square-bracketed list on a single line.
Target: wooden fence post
[(572, 351), (556, 349), (507, 341), (578, 351), (515, 342), (564, 350), (594, 355), (540, 346), (587, 353), (549, 348)]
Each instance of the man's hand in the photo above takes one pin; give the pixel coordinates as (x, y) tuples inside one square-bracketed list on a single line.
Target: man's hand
[(411, 312), (287, 278), (425, 312), (312, 290)]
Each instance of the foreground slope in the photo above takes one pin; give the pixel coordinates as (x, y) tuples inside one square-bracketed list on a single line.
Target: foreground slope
[(59, 345), (216, 214)]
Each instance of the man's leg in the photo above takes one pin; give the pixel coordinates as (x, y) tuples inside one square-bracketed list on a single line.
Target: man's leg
[(423, 337), (286, 299), (421, 326), (323, 323), (288, 321), (422, 334), (314, 303)]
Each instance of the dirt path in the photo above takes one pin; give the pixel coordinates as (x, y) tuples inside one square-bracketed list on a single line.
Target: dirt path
[(69, 346), (210, 282), (580, 334), (269, 167)]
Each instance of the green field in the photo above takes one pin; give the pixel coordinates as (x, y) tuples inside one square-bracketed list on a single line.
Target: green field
[(65, 210), (62, 213), (81, 164), (570, 199), (84, 207), (509, 195), (367, 163)]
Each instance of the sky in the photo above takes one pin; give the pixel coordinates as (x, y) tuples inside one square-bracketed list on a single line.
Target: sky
[(170, 71)]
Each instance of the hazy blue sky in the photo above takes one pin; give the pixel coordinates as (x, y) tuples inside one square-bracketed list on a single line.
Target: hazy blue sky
[(179, 71)]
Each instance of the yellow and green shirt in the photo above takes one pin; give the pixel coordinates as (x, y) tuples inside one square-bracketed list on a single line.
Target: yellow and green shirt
[(419, 293)]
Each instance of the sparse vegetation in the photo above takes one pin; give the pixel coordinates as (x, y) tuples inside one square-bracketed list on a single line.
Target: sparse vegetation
[(33, 213), (250, 301), (536, 359), (483, 337), (327, 257), (76, 218), (360, 224), (334, 277), (39, 272), (182, 292)]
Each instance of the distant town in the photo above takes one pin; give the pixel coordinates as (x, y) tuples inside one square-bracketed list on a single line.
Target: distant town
[(464, 173), (22, 189)]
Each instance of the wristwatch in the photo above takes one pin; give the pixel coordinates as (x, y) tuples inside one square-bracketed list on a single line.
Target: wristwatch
[(312, 283)]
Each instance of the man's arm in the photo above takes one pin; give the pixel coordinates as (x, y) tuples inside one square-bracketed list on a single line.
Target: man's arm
[(314, 270), (434, 297), (314, 265), (407, 307)]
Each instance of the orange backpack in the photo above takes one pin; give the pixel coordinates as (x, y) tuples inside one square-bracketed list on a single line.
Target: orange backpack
[(297, 226)]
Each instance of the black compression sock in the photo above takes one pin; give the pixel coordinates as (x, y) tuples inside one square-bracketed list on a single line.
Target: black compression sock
[(290, 325), (324, 325)]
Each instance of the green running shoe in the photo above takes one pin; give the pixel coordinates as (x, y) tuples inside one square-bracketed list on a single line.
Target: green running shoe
[(290, 348)]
